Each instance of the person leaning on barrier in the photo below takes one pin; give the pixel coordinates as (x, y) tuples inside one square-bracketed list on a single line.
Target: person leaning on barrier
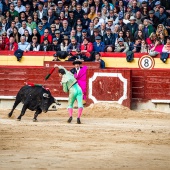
[(121, 46)]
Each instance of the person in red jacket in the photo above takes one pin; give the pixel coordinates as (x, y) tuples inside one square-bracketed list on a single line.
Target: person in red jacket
[(11, 45), (46, 35), (86, 47)]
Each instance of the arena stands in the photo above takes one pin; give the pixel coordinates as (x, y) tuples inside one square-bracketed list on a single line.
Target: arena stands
[(85, 26)]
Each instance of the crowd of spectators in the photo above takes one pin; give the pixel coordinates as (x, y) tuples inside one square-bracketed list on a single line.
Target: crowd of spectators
[(85, 26)]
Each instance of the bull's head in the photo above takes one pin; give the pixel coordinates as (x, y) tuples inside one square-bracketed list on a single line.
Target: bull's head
[(47, 101)]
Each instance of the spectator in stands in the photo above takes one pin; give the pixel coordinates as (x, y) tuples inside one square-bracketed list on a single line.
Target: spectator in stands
[(57, 23), (112, 16), (23, 45), (161, 29), (78, 13), (92, 13), (144, 47), (98, 45), (28, 38), (62, 16), (31, 24), (52, 30), (109, 48), (36, 34), (10, 30), (162, 38), (71, 19), (109, 38), (98, 59), (35, 18), (45, 46), (84, 35), (85, 7), (102, 29), (95, 34), (34, 45), (90, 30), (101, 20), (34, 6), (22, 17), (50, 17), (105, 13), (40, 28), (73, 46), (59, 7), (28, 11), (96, 22), (24, 26), (126, 18), (46, 35), (79, 33), (55, 45), (132, 26), (121, 46), (13, 12), (154, 43), (166, 47), (167, 24), (136, 47), (120, 35), (135, 8), (20, 8), (58, 36), (46, 25), (161, 15), (64, 44), (11, 45), (15, 34), (5, 39), (110, 24), (2, 44), (73, 5), (138, 17), (41, 12), (86, 47), (17, 23), (65, 30)]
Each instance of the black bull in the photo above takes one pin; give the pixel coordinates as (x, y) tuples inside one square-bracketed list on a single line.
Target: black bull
[(34, 98)]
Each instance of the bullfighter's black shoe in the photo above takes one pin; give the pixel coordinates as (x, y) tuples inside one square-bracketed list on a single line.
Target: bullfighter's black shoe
[(69, 120), (78, 121)]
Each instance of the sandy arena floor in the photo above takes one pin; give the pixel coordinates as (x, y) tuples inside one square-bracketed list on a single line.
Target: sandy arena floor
[(111, 137)]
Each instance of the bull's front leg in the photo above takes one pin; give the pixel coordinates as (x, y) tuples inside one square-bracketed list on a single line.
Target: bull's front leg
[(24, 108), (38, 111)]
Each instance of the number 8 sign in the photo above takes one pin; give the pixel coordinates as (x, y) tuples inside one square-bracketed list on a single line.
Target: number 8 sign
[(146, 62)]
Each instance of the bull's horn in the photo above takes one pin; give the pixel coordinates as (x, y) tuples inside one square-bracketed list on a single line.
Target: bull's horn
[(57, 102), (45, 95)]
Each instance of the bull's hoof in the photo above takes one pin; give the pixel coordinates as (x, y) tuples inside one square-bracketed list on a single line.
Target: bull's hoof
[(78, 121), (18, 119), (9, 115), (69, 120), (35, 120)]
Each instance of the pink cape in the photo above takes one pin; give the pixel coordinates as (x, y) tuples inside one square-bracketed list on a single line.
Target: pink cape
[(81, 80)]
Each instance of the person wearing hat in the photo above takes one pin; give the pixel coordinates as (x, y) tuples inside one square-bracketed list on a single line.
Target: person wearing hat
[(121, 46), (98, 45), (57, 23), (58, 36), (148, 28), (84, 35), (71, 86), (157, 6), (80, 75), (85, 21), (121, 24), (59, 7), (109, 38), (95, 34), (40, 28), (110, 24), (55, 46), (46, 25), (45, 46), (152, 18), (132, 26), (46, 35), (55, 57)]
